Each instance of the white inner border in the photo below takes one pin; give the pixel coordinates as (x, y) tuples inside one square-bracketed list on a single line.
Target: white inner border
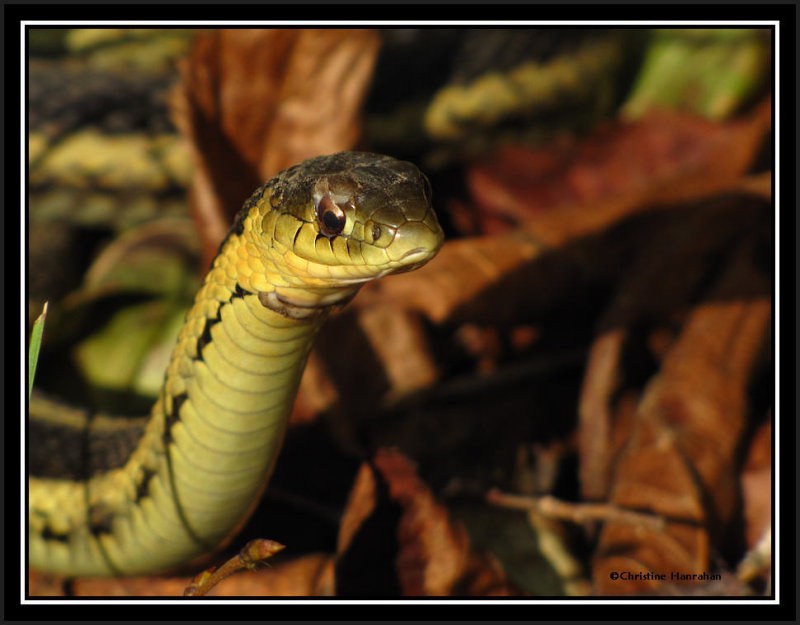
[(387, 23)]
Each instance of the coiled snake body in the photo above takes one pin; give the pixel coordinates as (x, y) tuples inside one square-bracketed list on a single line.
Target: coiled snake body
[(303, 243)]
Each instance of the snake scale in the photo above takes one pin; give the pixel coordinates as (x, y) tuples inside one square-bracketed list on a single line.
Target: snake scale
[(301, 245)]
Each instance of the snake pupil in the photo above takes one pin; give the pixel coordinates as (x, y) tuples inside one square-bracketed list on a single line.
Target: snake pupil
[(331, 217), (334, 223)]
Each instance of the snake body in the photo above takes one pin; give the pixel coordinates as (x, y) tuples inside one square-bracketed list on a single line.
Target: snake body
[(302, 244)]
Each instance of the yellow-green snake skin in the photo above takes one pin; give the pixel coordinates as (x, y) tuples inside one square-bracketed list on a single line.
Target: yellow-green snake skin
[(303, 243)]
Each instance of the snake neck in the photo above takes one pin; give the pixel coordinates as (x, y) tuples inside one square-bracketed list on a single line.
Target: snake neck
[(212, 440)]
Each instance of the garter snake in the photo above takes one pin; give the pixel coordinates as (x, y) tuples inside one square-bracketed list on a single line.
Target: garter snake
[(303, 243)]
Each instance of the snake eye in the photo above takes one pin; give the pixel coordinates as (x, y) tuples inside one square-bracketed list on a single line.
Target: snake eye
[(330, 216)]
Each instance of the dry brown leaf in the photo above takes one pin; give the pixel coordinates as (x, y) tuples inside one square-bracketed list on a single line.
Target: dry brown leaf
[(460, 284), (130, 586), (663, 158), (757, 485), (680, 460), (434, 554), (356, 372), (434, 551), (316, 393), (310, 575), (41, 584), (660, 281), (399, 341), (321, 98), (307, 576), (600, 384), (388, 358), (759, 185), (360, 505), (461, 270), (217, 78), (255, 101)]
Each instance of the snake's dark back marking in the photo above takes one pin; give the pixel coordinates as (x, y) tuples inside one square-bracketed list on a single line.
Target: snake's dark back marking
[(239, 292), (173, 416), (49, 534), (143, 489), (238, 221), (67, 452), (100, 521), (111, 449), (58, 452), (205, 337)]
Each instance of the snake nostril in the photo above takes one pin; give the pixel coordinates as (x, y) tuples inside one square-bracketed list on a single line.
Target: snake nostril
[(376, 232)]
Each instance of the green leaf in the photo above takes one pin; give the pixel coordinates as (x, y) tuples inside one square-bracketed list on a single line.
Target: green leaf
[(132, 350), (35, 346), (710, 72)]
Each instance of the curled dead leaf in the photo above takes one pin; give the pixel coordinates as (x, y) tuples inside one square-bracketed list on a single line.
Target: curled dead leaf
[(666, 157), (757, 485), (41, 584), (545, 255), (316, 393), (255, 101), (307, 576), (680, 460), (433, 555), (659, 282)]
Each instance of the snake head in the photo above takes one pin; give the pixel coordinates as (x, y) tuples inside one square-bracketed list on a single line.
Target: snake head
[(335, 222)]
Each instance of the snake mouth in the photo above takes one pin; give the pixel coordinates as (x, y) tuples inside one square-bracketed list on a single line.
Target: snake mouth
[(414, 252)]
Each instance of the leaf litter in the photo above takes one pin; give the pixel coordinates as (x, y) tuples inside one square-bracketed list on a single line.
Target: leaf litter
[(600, 314)]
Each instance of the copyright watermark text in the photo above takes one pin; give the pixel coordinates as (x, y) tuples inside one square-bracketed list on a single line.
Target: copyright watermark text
[(673, 576)]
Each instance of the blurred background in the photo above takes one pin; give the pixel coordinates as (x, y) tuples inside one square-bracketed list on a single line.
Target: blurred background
[(579, 384)]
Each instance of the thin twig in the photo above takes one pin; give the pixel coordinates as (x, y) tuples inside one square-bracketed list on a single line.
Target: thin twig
[(575, 512), (254, 552)]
